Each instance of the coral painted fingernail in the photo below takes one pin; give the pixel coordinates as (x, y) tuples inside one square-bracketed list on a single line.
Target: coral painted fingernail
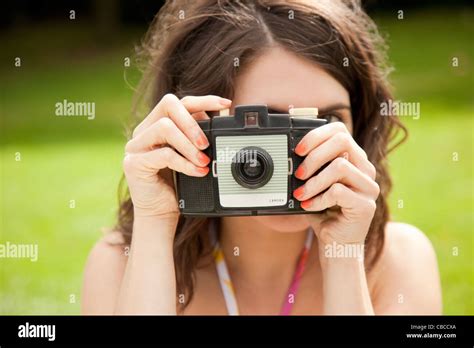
[(202, 157), (202, 170), (306, 204), (300, 148), (298, 193), (202, 141), (299, 172)]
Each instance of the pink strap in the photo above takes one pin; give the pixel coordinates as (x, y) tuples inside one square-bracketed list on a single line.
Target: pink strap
[(295, 283), (226, 282)]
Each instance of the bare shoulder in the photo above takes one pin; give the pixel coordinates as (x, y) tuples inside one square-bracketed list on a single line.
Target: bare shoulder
[(407, 273), (402, 238), (103, 274)]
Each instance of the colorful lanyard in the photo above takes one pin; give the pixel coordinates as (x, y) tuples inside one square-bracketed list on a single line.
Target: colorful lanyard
[(226, 282)]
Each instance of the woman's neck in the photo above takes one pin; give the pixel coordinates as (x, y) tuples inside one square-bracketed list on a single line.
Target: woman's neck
[(256, 254)]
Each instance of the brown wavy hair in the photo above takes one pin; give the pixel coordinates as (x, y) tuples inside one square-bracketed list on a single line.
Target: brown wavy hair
[(191, 47)]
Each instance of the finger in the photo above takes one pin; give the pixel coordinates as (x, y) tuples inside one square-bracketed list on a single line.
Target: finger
[(318, 136), (339, 170), (342, 196), (153, 161), (164, 131), (173, 161), (170, 106), (169, 102), (335, 146), (200, 116), (205, 103)]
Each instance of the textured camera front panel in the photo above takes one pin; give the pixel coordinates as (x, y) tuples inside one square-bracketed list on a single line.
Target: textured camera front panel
[(274, 193), (195, 194)]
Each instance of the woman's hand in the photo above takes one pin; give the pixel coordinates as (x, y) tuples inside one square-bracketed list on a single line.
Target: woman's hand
[(169, 137), (347, 182)]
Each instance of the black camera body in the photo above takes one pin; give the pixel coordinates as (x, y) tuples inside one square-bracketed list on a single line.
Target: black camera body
[(252, 165)]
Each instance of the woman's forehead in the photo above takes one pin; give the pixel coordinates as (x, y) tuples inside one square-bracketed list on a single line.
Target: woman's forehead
[(281, 78)]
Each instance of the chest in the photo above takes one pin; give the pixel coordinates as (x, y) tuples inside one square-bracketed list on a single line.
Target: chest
[(264, 299)]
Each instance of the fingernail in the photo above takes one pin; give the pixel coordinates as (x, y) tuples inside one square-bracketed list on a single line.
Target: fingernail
[(225, 101), (299, 172), (202, 170), (203, 158), (201, 141), (300, 148), (306, 204), (298, 193)]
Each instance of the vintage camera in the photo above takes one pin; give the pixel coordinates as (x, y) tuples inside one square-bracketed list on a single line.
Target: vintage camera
[(252, 166)]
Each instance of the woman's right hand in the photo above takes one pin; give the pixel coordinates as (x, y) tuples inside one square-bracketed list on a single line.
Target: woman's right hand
[(169, 137)]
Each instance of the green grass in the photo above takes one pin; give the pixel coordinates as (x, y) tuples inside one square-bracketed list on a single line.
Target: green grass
[(437, 198), (437, 192), (65, 159), (36, 209)]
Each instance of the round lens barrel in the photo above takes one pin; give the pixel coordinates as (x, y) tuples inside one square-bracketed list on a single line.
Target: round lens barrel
[(252, 167)]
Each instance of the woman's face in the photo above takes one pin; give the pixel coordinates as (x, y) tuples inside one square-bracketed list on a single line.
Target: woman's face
[(282, 79)]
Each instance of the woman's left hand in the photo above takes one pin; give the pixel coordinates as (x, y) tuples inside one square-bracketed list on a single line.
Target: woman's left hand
[(347, 182)]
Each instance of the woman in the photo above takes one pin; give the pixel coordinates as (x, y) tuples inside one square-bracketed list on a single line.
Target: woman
[(206, 56)]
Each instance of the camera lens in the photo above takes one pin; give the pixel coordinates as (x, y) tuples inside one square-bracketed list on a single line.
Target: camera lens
[(252, 167), (253, 170)]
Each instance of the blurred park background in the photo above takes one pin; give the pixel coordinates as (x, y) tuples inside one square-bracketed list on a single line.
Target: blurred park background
[(63, 190)]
